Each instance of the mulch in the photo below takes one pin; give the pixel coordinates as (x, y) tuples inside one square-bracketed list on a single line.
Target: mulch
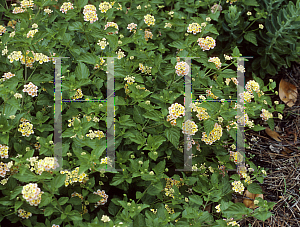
[(282, 159)]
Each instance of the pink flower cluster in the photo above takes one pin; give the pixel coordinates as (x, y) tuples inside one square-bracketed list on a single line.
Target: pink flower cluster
[(90, 13), (182, 68), (103, 195)]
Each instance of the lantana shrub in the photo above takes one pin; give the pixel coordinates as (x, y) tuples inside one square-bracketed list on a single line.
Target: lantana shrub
[(149, 42)]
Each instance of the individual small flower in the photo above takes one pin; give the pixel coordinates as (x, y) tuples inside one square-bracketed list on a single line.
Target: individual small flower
[(215, 8), (218, 208), (55, 225), (256, 202), (66, 7), (208, 19), (138, 7), (154, 211), (216, 60), (261, 26), (34, 25), (102, 43), (182, 68), (111, 24), (151, 173), (264, 172), (12, 34), (266, 115), (227, 57), (241, 68), (104, 6), (31, 89), (7, 76), (279, 116), (194, 27), (149, 20), (18, 96), (48, 11), (207, 43), (249, 13), (120, 54)]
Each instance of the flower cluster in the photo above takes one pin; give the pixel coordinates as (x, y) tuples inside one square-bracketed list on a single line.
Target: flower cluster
[(252, 85), (215, 8), (194, 27), (90, 13), (3, 151), (2, 29), (31, 33), (189, 127), (237, 157), (92, 135), (131, 26), (77, 194), (66, 6), (15, 56), (218, 208), (130, 79), (46, 164), (215, 60), (73, 177), (170, 210), (26, 4), (266, 115), (23, 214), (231, 125), (168, 25), (234, 80), (246, 96), (210, 94), (169, 184), (104, 197), (145, 69), (120, 54), (32, 194), (202, 114), (214, 135), (207, 43), (4, 167), (102, 43), (149, 20), (48, 11), (78, 94), (104, 6), (241, 68), (31, 89), (238, 186), (106, 160), (12, 24), (111, 24), (17, 10), (233, 223), (148, 34), (182, 68), (175, 111), (26, 128)]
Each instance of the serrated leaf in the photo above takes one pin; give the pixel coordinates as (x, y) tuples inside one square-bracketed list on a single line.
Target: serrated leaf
[(251, 37), (208, 126), (173, 135), (82, 71), (254, 188)]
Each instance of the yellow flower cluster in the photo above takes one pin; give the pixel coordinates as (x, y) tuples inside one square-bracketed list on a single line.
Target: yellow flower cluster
[(90, 13), (31, 33), (238, 186), (104, 6), (131, 26), (168, 25), (73, 177), (130, 79), (218, 208), (23, 214), (148, 34), (4, 167), (7, 76), (78, 94), (170, 210), (169, 184), (234, 80), (120, 54), (145, 69), (11, 23), (231, 124), (42, 165), (48, 11), (149, 20), (15, 56), (31, 89), (182, 68), (194, 27), (66, 6), (175, 111), (111, 24), (210, 94), (236, 156), (2, 29), (32, 194), (102, 43), (26, 4), (3, 151), (154, 211), (105, 160), (233, 223), (17, 10), (207, 43), (215, 60), (246, 96), (202, 114), (214, 135), (26, 128), (189, 127), (98, 134), (252, 85), (103, 195), (266, 115)]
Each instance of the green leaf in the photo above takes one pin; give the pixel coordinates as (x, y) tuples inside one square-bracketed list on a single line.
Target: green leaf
[(88, 58), (208, 126), (258, 128), (271, 123), (18, 204), (280, 107), (82, 71), (196, 199), (173, 135), (254, 188), (117, 179), (236, 52), (262, 215), (160, 167), (16, 192), (93, 198), (75, 26), (27, 176), (112, 40), (48, 211), (58, 181), (82, 3), (153, 115), (46, 199), (75, 216), (138, 115), (63, 200), (179, 44), (251, 37)]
